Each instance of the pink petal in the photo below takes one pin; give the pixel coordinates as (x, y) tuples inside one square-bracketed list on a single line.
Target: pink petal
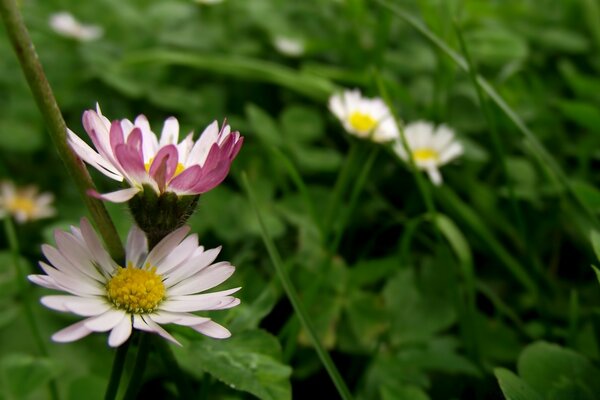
[(135, 139), (116, 135), (164, 165), (132, 162), (186, 180)]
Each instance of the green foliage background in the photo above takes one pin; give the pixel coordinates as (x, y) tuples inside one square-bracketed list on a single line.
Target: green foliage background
[(390, 287)]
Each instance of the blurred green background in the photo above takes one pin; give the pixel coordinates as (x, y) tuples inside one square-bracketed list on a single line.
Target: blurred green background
[(389, 300)]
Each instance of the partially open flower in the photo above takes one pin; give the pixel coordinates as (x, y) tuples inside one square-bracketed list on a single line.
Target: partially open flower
[(132, 152), (65, 24), (364, 117), (25, 204), (430, 147), (153, 288)]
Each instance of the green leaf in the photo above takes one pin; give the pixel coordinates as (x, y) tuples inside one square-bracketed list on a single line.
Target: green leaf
[(264, 126), (582, 113), (595, 239), (248, 361), (587, 194), (513, 387), (302, 124), (548, 368), (89, 387), (496, 45), (22, 374), (408, 392), (457, 240)]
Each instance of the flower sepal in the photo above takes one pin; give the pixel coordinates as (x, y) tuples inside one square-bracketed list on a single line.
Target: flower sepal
[(158, 215)]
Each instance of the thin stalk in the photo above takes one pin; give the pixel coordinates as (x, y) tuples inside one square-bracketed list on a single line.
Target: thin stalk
[(292, 295), (13, 243), (44, 97), (339, 188), (135, 382), (117, 371), (356, 190), (500, 154)]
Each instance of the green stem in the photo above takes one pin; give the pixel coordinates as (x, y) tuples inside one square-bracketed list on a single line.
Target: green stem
[(117, 371), (292, 295), (42, 93), (138, 369), (183, 385), (13, 243), (339, 188)]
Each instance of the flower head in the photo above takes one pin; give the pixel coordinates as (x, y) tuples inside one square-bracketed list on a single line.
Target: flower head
[(132, 152), (364, 117), (430, 147), (25, 204), (153, 288), (65, 24)]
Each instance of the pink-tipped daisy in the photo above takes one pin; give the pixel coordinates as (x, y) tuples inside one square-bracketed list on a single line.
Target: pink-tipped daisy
[(364, 117), (430, 147), (159, 287), (132, 152)]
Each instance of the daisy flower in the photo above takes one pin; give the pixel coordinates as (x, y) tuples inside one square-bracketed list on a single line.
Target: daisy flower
[(65, 24), (25, 204), (131, 152), (364, 117), (153, 288), (430, 147)]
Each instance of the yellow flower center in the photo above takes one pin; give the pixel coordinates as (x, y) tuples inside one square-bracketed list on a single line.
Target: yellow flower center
[(136, 290), (425, 155), (179, 169), (362, 122), (25, 205)]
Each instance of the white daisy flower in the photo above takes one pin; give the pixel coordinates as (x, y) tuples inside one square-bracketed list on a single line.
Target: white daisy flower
[(430, 147), (25, 204), (154, 288), (364, 117), (65, 24), (133, 152), (289, 46)]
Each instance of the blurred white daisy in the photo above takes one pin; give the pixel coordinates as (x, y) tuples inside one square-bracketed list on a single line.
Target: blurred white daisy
[(430, 147), (65, 24), (25, 204), (131, 151), (153, 288), (364, 117), (289, 46)]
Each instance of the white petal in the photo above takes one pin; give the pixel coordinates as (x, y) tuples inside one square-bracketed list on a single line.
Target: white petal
[(104, 260), (185, 319), (105, 322), (166, 246), (451, 152), (194, 265), (212, 329), (120, 333), (87, 154), (205, 279), (180, 254), (82, 286), (120, 196), (219, 303), (200, 150), (435, 176), (137, 246), (44, 281), (146, 324), (170, 132), (72, 333)]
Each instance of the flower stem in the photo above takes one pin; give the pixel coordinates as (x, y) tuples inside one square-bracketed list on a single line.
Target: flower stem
[(138, 369), (183, 386), (292, 295), (13, 243), (42, 93), (117, 371)]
